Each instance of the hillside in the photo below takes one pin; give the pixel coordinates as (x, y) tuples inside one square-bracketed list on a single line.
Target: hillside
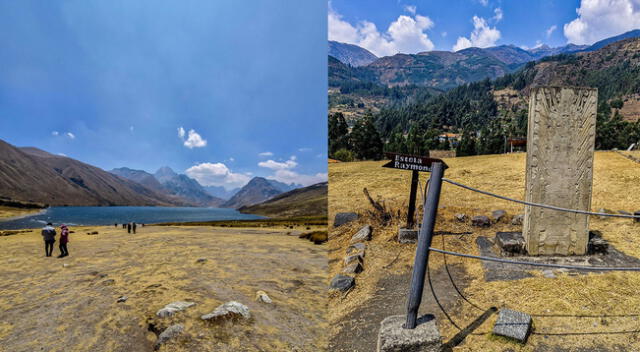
[(257, 190), (33, 175), (307, 201), (350, 54)]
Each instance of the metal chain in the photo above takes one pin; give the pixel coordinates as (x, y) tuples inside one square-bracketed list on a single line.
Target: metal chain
[(552, 207)]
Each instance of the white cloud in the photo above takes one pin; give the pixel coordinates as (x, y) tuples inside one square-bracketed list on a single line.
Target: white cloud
[(71, 135), (131, 128), (55, 133), (484, 2), (482, 36), (194, 140), (181, 132), (499, 15), (550, 30), (275, 165), (217, 174), (410, 9), (232, 159), (443, 34), (600, 19), (289, 177), (406, 34), (62, 154), (304, 149), (265, 154)]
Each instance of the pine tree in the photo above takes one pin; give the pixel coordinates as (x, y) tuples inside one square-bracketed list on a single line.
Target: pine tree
[(338, 133), (366, 140)]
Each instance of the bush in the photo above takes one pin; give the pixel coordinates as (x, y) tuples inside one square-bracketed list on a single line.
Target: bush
[(344, 155)]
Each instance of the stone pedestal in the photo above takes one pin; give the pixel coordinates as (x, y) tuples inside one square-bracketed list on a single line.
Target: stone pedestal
[(407, 235), (394, 338), (560, 146)]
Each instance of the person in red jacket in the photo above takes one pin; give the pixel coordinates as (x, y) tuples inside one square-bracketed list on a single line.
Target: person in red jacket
[(64, 239)]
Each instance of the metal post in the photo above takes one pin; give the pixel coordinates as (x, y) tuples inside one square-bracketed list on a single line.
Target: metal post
[(415, 178), (424, 242)]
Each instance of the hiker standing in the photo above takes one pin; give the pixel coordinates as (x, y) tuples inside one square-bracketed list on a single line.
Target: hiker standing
[(49, 236), (64, 239), (129, 228), (115, 225), (134, 227)]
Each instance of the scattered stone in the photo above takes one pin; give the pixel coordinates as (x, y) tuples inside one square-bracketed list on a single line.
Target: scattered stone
[(343, 218), (201, 260), (92, 233), (393, 337), (341, 283), (363, 235), (169, 333), (513, 324), (356, 247), (353, 268), (354, 258), (262, 296), (548, 274), (481, 221), (231, 310), (511, 243), (174, 307), (517, 220), (497, 215), (407, 235), (597, 244), (109, 282), (65, 265), (461, 217), (122, 299)]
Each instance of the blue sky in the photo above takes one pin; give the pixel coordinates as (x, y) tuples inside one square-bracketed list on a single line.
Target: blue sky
[(394, 26), (114, 83)]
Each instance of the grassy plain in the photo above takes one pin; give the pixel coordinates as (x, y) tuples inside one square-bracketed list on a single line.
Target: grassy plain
[(583, 312)]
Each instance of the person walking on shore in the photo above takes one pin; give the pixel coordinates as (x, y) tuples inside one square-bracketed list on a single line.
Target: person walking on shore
[(64, 239), (49, 236), (134, 227), (129, 228)]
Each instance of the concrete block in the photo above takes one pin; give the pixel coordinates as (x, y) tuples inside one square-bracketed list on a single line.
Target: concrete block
[(513, 324), (393, 337)]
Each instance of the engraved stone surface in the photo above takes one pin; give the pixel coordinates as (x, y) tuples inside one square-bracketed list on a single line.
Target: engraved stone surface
[(513, 324), (560, 146)]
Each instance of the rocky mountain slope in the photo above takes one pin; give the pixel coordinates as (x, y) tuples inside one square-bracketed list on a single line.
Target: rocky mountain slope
[(351, 54), (307, 201), (257, 190), (33, 175), (186, 187)]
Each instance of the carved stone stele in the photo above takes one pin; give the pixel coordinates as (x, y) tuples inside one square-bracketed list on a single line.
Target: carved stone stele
[(560, 145)]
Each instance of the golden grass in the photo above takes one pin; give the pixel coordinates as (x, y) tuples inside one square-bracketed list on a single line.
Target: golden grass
[(10, 212), (74, 308), (616, 187)]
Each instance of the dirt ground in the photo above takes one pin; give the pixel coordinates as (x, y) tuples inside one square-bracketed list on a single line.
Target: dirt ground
[(592, 312), (70, 304)]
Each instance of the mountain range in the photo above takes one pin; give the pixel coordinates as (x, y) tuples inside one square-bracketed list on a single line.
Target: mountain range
[(306, 201), (443, 69), (30, 174)]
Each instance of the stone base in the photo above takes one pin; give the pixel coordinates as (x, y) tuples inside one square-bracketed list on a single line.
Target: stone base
[(510, 243), (407, 235), (394, 338), (513, 324)]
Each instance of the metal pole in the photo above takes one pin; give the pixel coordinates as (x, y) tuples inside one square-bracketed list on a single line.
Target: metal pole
[(415, 178), (424, 242)]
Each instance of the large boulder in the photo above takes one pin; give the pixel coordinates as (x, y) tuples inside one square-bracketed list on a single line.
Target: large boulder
[(168, 334), (363, 235), (174, 307), (354, 258), (343, 218), (356, 248), (353, 268), (231, 310), (480, 221)]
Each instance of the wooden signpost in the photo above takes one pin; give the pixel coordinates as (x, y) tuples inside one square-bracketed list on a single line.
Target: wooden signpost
[(416, 164)]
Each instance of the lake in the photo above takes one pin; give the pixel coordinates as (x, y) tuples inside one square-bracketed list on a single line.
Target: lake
[(76, 216)]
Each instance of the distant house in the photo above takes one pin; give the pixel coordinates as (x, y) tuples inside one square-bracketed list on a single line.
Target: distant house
[(517, 144), (449, 137)]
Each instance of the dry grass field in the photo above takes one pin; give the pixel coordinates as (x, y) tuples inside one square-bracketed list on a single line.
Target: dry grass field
[(70, 304), (10, 212), (589, 312)]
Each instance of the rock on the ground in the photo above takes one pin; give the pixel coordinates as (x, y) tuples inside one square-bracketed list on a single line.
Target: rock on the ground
[(364, 234), (356, 247), (637, 213), (229, 311), (262, 297), (407, 235), (511, 243), (517, 220), (343, 218), (353, 268), (341, 283), (513, 324), (169, 333), (174, 307), (597, 245), (393, 337), (497, 215), (354, 258), (122, 299), (201, 260), (481, 221), (461, 217)]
